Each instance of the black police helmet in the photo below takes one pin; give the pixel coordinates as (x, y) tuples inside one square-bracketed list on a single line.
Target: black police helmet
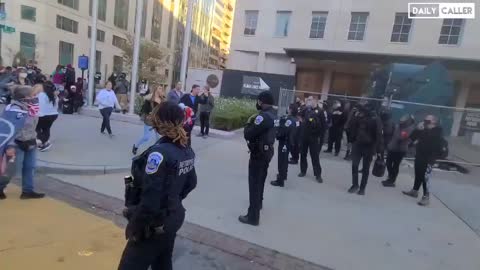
[(266, 98)]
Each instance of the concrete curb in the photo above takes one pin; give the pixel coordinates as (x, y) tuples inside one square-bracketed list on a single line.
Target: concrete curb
[(47, 167), (135, 119)]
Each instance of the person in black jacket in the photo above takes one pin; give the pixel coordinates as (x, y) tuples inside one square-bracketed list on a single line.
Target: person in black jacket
[(335, 132), (167, 176), (286, 139), (429, 146), (192, 100), (313, 126), (260, 136), (366, 132)]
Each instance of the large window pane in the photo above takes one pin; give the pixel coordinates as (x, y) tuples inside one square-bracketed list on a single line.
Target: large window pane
[(67, 24), (100, 34), (451, 31), (65, 53), (157, 21), (118, 41), (117, 64), (102, 9), (69, 3), (27, 45), (121, 14), (29, 13), (282, 23), (251, 21), (357, 25), (317, 28), (401, 28)]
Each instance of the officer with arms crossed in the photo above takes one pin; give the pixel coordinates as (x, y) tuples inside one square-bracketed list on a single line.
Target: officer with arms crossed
[(260, 136), (165, 174), (313, 127), (286, 139)]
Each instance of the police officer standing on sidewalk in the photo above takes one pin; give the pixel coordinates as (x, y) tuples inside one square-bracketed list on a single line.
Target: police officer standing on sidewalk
[(335, 132), (286, 139), (313, 127), (366, 132), (260, 136), (162, 177)]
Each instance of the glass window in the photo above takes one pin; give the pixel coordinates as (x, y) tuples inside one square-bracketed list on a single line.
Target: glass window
[(102, 9), (118, 41), (358, 25), (100, 34), (251, 21), (29, 13), (401, 28), (121, 14), (117, 64), (27, 45), (65, 53), (157, 21), (98, 61), (319, 21), (283, 21), (67, 24), (69, 3), (451, 31)]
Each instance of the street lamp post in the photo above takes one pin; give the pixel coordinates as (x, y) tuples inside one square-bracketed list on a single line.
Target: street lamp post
[(186, 43), (136, 55), (93, 50)]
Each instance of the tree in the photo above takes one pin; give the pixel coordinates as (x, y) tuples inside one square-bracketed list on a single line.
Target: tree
[(152, 60)]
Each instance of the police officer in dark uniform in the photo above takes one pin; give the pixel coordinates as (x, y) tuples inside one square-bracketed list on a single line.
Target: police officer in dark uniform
[(163, 176), (260, 136), (366, 132), (286, 139), (313, 125), (335, 132), (295, 150)]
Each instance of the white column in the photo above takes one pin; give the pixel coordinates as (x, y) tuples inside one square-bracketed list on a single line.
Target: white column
[(93, 51), (460, 103), (327, 82), (136, 55), (186, 43)]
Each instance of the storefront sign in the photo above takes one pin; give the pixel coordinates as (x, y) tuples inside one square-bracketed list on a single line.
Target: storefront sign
[(471, 121)]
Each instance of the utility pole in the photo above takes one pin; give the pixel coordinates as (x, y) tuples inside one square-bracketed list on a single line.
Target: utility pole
[(186, 43), (93, 51), (136, 55)]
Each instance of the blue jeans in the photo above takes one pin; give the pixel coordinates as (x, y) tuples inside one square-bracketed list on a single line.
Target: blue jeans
[(148, 132), (26, 163)]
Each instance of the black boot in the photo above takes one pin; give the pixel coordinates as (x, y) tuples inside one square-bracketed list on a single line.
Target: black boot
[(301, 174), (291, 161), (250, 221), (347, 156), (328, 151), (31, 195), (277, 183), (2, 195), (319, 179), (361, 191), (388, 183), (353, 189), (337, 153)]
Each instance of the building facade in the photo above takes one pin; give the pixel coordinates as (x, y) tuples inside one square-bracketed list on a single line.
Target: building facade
[(221, 33), (57, 31), (332, 46)]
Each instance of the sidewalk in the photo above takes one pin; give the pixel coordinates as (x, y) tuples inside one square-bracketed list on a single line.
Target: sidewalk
[(48, 234)]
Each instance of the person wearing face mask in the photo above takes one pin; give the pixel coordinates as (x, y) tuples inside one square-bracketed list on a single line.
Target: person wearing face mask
[(313, 126), (430, 146), (335, 132), (22, 77), (26, 107), (398, 147), (259, 133), (366, 132)]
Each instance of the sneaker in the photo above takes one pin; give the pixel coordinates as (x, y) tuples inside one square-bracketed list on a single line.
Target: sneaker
[(388, 183), (134, 150), (424, 201), (361, 191), (45, 147), (31, 195), (301, 175), (411, 193), (353, 189), (247, 220), (2, 195)]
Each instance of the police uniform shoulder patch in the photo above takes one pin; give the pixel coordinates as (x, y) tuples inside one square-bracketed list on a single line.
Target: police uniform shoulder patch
[(276, 123), (316, 111), (258, 120), (288, 123), (153, 162)]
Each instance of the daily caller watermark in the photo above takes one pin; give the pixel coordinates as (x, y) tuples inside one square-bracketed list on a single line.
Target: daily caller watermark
[(441, 10)]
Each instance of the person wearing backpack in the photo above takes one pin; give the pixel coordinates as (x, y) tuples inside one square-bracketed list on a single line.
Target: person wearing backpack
[(366, 134), (430, 146)]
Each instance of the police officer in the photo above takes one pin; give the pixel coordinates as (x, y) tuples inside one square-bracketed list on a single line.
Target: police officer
[(335, 132), (313, 120), (366, 132), (260, 136), (295, 149), (167, 175), (286, 139)]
